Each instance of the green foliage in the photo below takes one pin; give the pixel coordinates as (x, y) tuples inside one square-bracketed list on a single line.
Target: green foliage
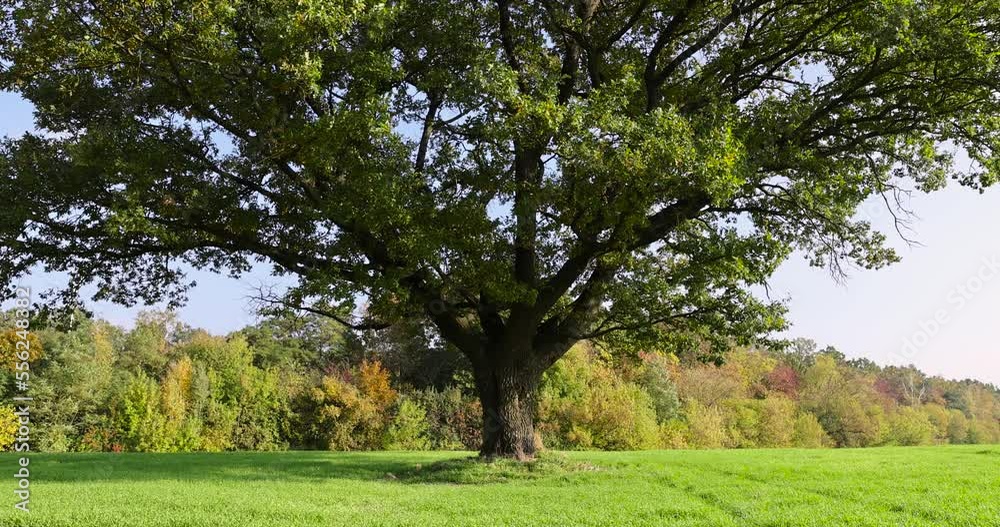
[(409, 428), (148, 344), (138, 419), (654, 378), (92, 394), (983, 432), (940, 418), (298, 341), (909, 426), (710, 385), (958, 427), (655, 164), (741, 420), (413, 354), (777, 422), (454, 418), (842, 405), (584, 404), (809, 433), (674, 434), (705, 424), (263, 408)]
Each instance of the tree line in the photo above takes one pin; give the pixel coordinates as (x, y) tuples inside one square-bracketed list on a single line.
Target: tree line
[(305, 382)]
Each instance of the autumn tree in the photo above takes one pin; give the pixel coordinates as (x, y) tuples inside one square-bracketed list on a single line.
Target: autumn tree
[(523, 174)]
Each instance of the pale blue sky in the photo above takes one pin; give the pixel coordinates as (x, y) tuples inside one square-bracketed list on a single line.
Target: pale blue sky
[(938, 309)]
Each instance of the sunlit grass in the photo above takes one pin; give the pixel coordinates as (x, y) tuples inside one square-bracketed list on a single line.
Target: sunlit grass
[(950, 486)]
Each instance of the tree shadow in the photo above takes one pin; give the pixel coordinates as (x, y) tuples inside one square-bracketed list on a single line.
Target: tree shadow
[(453, 468), (236, 466), (477, 471)]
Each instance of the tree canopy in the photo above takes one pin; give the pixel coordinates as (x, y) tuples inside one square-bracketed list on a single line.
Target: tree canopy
[(525, 174)]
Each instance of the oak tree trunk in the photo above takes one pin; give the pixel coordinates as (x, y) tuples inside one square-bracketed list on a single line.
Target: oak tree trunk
[(508, 395)]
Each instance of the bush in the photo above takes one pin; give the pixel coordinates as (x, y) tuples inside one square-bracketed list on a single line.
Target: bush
[(982, 432), (584, 404), (777, 422), (98, 438), (939, 416), (958, 427), (908, 427), (8, 427), (216, 412), (674, 434), (262, 408), (809, 433), (408, 429), (758, 423), (622, 418), (654, 377), (741, 423), (784, 379), (335, 415), (849, 423), (374, 382), (229, 359), (709, 385), (140, 425), (706, 425), (453, 419)]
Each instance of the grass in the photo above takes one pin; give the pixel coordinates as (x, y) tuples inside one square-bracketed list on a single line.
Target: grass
[(939, 486)]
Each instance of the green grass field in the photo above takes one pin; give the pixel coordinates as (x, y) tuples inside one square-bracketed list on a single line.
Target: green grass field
[(939, 486)]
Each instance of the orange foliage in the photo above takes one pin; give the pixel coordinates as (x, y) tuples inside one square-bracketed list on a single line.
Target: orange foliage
[(374, 382)]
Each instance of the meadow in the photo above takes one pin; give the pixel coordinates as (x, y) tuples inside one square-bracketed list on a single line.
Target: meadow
[(893, 486)]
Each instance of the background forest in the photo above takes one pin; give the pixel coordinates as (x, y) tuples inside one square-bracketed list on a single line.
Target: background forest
[(303, 382)]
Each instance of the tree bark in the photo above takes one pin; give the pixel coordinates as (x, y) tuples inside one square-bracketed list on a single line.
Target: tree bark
[(507, 393)]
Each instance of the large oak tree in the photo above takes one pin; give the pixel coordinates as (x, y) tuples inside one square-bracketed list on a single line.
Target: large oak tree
[(522, 174)]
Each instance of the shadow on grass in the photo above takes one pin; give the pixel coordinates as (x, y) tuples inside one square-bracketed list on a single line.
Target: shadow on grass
[(298, 466), (476, 471), (243, 467)]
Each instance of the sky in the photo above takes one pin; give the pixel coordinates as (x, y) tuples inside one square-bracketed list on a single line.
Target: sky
[(938, 309)]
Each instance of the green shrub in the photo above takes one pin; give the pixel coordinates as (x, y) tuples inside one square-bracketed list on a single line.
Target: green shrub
[(216, 412), (909, 426), (809, 433), (453, 418), (849, 423), (140, 425), (674, 434), (958, 427), (759, 423), (741, 421), (262, 407), (98, 437), (778, 415), (938, 416), (654, 377), (983, 432), (408, 429), (57, 437), (585, 404), (622, 417), (706, 425)]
